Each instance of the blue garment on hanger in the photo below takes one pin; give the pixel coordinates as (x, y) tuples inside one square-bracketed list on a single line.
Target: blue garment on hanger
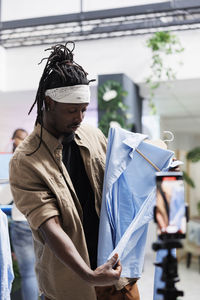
[(6, 270), (128, 198)]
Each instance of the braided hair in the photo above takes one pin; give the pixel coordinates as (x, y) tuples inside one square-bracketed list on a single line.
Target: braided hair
[(61, 70)]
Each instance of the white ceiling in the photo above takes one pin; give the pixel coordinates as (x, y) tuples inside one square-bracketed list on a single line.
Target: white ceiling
[(178, 104)]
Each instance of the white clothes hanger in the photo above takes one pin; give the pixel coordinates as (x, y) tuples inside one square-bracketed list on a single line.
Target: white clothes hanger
[(160, 143), (171, 138)]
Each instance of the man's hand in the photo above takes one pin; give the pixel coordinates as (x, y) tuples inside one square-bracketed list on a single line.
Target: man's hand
[(108, 273)]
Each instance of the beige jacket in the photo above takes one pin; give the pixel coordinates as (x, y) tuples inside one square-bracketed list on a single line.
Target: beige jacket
[(42, 188)]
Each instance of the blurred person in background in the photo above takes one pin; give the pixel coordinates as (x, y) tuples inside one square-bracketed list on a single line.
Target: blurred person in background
[(18, 136), (22, 241)]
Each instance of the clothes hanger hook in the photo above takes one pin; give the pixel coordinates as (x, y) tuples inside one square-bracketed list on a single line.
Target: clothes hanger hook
[(171, 134)]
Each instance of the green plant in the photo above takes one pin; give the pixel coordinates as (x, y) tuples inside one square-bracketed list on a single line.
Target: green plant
[(17, 278), (188, 179), (193, 156), (111, 106), (198, 207), (162, 44)]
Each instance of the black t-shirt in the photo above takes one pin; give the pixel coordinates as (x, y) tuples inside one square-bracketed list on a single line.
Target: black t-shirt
[(73, 162)]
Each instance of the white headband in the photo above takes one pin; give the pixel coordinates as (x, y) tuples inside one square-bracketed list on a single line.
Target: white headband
[(70, 94)]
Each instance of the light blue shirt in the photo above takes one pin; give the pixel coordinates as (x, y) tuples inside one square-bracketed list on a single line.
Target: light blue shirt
[(128, 198), (6, 270)]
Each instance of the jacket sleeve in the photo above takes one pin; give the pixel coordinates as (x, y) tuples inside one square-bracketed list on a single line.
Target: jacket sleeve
[(31, 193)]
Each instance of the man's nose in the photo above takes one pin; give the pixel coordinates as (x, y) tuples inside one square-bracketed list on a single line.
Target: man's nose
[(79, 117)]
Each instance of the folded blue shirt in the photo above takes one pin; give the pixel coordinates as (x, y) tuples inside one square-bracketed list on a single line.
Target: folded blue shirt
[(128, 198)]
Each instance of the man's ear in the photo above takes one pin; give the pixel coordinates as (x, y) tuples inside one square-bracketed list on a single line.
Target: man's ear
[(49, 104)]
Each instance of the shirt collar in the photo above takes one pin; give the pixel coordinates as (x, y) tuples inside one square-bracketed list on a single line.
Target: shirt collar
[(133, 141), (77, 135)]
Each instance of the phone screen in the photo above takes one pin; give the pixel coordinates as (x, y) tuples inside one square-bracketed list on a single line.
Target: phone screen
[(170, 213)]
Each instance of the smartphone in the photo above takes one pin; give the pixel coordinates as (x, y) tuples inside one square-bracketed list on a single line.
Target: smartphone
[(170, 211)]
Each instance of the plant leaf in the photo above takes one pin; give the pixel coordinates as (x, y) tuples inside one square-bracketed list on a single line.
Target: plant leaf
[(188, 179)]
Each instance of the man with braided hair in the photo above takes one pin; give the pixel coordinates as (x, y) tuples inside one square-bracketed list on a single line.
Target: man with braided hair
[(56, 178)]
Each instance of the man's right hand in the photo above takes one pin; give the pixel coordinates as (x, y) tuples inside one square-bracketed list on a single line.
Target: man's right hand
[(108, 273)]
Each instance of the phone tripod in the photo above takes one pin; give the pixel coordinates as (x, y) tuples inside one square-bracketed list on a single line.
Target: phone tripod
[(169, 267)]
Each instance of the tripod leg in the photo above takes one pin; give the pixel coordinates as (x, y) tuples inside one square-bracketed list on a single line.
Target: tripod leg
[(189, 255)]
